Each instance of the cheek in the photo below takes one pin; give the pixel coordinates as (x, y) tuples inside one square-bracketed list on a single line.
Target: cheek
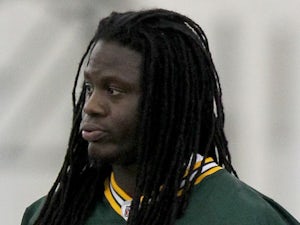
[(125, 123)]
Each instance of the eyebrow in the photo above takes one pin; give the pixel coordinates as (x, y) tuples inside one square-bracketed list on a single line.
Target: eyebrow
[(107, 77)]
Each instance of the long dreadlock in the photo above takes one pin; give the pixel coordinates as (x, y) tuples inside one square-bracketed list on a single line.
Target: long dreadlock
[(181, 114)]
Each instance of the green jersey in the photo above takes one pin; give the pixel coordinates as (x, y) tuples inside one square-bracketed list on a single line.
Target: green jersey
[(218, 198)]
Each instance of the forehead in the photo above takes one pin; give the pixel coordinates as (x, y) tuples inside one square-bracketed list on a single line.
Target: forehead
[(113, 56)]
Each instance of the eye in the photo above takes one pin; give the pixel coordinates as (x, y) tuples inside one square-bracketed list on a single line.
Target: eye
[(114, 91), (88, 88)]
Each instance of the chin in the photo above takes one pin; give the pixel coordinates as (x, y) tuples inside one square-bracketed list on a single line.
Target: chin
[(101, 155), (110, 154)]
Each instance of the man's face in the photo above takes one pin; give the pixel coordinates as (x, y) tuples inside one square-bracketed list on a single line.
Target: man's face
[(110, 113)]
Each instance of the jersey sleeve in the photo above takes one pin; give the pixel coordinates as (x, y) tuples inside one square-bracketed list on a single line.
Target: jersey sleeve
[(31, 213)]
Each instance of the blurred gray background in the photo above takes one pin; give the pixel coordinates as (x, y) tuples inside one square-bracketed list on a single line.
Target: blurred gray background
[(256, 48)]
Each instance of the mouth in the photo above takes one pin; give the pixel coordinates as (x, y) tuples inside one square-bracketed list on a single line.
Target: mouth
[(91, 133)]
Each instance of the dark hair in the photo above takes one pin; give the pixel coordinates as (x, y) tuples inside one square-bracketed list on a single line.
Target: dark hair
[(181, 114)]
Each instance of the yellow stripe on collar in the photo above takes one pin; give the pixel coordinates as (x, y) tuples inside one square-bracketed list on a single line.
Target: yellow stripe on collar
[(198, 164), (116, 187), (113, 203), (207, 173), (209, 167), (120, 201)]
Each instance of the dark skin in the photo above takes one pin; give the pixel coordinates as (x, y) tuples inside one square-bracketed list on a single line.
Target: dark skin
[(110, 113)]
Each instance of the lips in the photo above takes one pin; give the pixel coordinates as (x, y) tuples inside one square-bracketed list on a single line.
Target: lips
[(92, 133)]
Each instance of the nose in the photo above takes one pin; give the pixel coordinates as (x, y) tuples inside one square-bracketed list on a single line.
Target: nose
[(95, 105)]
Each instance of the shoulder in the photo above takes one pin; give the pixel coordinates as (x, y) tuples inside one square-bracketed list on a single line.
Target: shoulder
[(31, 213), (223, 199)]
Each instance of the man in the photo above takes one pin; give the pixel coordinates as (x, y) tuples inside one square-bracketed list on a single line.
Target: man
[(147, 144)]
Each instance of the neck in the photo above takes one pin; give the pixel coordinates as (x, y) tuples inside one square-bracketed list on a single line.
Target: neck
[(125, 177)]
